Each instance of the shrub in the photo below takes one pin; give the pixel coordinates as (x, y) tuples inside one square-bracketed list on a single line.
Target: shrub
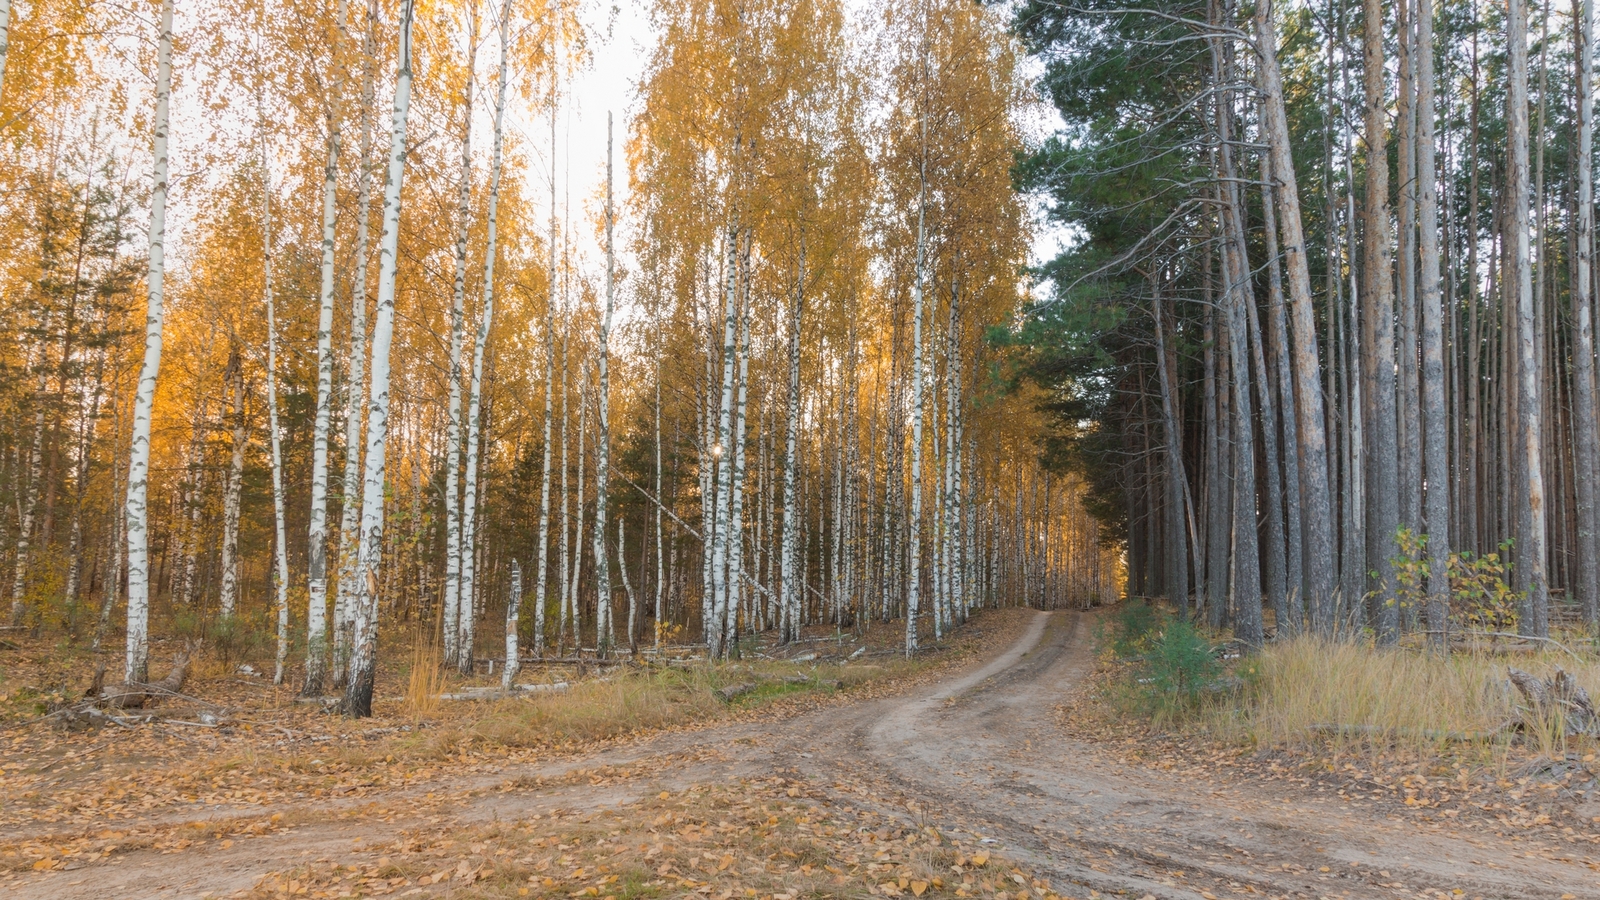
[(1132, 625), (1181, 664)]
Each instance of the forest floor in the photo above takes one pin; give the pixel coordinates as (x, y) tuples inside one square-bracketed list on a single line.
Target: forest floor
[(973, 777)]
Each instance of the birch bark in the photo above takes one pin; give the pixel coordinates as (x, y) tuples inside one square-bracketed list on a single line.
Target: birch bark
[(602, 467), (234, 376), (363, 658), (280, 579), (355, 397), (138, 522), (452, 474), (317, 539), (469, 518)]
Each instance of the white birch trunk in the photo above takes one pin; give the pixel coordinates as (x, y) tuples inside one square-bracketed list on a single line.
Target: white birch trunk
[(723, 486), (574, 579), (469, 519), (660, 561), (280, 580), (627, 585), (918, 413), (454, 539), (230, 492), (549, 379), (355, 401), (602, 467), (30, 506), (363, 657), (5, 40), (564, 616), (317, 537), (508, 674), (138, 522), (789, 586), (735, 530)]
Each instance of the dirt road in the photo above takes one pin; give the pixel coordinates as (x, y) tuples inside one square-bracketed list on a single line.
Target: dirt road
[(980, 754)]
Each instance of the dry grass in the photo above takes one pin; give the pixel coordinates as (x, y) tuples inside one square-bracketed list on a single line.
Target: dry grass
[(425, 679), (1310, 690), (652, 698)]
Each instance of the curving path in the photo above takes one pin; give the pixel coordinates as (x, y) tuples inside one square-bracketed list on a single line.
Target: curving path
[(979, 753)]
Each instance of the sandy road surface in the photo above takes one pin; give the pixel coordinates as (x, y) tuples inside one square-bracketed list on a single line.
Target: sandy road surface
[(978, 753)]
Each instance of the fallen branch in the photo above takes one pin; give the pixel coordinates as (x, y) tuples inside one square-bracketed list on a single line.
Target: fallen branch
[(735, 690), (1512, 634)]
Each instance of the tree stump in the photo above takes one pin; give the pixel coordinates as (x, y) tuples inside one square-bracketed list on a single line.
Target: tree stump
[(1559, 696)]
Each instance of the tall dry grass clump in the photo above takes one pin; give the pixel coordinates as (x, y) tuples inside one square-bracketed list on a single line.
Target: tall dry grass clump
[(1310, 689), (425, 678)]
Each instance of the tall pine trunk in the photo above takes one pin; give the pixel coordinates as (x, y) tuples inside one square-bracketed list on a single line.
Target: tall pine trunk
[(1587, 457), (1435, 425), (1311, 416), (1378, 356), (1529, 443)]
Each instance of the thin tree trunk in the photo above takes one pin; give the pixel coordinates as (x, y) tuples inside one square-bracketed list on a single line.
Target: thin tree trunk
[(230, 498), (508, 674), (1378, 358), (317, 540), (469, 518), (138, 521), (1176, 545), (918, 407), (724, 438), (364, 655), (1436, 455), (355, 400), (789, 587), (1317, 498), (542, 580), (602, 467), (453, 655), (1587, 458), (1530, 569), (1278, 343), (280, 579), (1408, 400)]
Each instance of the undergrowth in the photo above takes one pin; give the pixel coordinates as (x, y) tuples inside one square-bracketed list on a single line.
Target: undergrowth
[(1170, 668), (1341, 696)]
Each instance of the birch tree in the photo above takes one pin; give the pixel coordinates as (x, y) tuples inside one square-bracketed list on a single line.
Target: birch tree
[(454, 653), (355, 397), (363, 660), (602, 466), (469, 519), (317, 538), (138, 523)]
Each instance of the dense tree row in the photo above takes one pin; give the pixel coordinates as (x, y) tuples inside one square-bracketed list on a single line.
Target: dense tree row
[(393, 372), (1331, 312)]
